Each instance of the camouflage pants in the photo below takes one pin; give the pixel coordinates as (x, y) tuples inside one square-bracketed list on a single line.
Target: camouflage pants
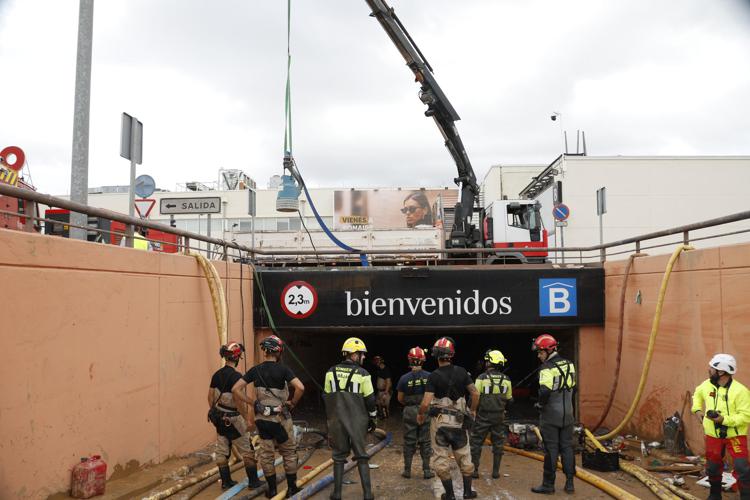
[(492, 424), (416, 435), (270, 434), (242, 443), (448, 437)]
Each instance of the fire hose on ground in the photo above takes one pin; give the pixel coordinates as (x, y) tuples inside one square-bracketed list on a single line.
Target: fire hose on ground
[(310, 490)]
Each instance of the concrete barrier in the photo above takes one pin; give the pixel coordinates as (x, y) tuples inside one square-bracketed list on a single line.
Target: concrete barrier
[(103, 350)]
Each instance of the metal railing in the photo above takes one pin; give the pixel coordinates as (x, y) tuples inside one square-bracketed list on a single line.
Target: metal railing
[(221, 248)]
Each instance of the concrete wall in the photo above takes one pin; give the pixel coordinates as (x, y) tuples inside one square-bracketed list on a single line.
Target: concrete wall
[(705, 312), (103, 350)]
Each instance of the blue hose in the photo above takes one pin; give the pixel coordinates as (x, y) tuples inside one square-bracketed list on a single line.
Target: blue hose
[(341, 244), (315, 487), (231, 492)]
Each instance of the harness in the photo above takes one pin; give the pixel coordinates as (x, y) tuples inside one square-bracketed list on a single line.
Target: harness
[(269, 410), (490, 389), (335, 382), (561, 383)]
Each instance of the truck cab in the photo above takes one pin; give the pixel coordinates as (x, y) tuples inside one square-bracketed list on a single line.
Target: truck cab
[(515, 223)]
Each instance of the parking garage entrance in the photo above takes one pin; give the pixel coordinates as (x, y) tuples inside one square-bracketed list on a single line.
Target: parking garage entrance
[(394, 309)]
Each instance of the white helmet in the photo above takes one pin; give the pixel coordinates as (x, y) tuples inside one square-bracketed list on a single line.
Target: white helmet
[(724, 362)]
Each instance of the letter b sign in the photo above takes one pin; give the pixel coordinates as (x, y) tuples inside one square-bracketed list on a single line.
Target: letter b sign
[(557, 297)]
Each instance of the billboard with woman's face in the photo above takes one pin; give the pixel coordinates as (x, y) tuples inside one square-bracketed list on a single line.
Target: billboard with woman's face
[(390, 208)]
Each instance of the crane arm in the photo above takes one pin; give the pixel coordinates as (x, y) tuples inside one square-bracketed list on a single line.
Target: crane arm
[(463, 234)]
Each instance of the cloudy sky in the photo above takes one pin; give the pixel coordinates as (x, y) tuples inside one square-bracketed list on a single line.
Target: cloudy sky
[(206, 77)]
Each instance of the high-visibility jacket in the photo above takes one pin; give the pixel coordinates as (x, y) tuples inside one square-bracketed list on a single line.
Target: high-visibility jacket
[(139, 242), (495, 391), (350, 378), (557, 379), (731, 401)]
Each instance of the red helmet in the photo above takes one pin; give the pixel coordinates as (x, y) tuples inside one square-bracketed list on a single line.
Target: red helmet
[(444, 348), (273, 344), (232, 351), (416, 356), (544, 342)]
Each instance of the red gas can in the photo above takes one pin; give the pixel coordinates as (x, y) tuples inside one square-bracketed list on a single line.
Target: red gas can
[(89, 477)]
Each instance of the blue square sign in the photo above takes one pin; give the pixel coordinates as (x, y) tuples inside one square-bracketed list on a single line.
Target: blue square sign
[(557, 297)]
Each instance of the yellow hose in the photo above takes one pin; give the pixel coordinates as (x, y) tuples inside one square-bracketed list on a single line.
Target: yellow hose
[(584, 475), (651, 343), (659, 489), (218, 298), (306, 478)]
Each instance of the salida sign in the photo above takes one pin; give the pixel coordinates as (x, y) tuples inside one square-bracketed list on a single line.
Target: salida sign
[(439, 297)]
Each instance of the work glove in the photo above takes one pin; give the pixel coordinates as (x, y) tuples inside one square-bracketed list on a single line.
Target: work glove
[(372, 424)]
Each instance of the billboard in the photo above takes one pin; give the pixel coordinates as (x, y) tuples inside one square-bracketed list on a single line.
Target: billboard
[(390, 208)]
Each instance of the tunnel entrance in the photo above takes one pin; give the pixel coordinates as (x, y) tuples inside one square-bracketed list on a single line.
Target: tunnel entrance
[(319, 351)]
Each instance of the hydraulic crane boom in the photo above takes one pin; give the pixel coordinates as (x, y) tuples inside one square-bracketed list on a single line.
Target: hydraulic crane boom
[(463, 233)]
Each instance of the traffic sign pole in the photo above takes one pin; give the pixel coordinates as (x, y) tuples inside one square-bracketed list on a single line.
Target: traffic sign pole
[(131, 191)]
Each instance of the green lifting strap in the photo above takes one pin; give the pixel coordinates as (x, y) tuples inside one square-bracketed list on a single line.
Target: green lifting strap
[(288, 98)]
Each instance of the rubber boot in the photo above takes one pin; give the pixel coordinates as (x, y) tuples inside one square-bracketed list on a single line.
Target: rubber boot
[(252, 477), (271, 480), (291, 485), (226, 477), (448, 486), (407, 466), (475, 461), (468, 492), (426, 472), (715, 491), (496, 459), (338, 481), (569, 486), (364, 476), (544, 489)]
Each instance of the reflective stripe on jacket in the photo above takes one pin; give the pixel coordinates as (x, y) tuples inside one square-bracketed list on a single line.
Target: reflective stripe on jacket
[(351, 378), (495, 391), (557, 379), (731, 401)]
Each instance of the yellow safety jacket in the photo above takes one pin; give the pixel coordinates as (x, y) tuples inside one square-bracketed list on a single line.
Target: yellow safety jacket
[(557, 379), (495, 391), (348, 377), (731, 401), (139, 242)]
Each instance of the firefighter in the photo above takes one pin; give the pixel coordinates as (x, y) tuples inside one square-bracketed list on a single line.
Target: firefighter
[(445, 398), (557, 379), (725, 421), (269, 384), (495, 394), (350, 406), (410, 390), (229, 418), (384, 386)]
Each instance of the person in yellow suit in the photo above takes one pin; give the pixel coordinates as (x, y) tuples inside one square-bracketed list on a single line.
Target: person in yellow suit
[(723, 406)]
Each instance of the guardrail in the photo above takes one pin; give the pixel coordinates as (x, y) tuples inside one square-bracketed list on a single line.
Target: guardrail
[(221, 248)]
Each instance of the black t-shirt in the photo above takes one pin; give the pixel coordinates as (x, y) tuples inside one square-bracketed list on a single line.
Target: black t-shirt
[(225, 378), (448, 377), (269, 374), (383, 373)]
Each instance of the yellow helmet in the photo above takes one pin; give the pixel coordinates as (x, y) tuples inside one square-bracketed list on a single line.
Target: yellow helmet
[(353, 344), (495, 357)]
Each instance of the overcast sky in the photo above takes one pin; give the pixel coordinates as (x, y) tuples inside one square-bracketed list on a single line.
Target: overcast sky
[(206, 77)]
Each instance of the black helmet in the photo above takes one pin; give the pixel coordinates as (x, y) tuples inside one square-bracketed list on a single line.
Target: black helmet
[(232, 351), (273, 344)]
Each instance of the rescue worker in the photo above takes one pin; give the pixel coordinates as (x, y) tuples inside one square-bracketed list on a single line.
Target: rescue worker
[(557, 379), (445, 399), (384, 385), (727, 414), (495, 395), (350, 406), (229, 418), (268, 385), (410, 391)]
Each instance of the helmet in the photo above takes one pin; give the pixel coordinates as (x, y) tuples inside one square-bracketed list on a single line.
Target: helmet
[(416, 356), (232, 351), (273, 344), (353, 344), (544, 342), (724, 362), (495, 357), (444, 348)]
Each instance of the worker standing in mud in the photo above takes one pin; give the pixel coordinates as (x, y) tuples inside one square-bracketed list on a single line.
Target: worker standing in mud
[(350, 408), (557, 379), (410, 391), (445, 400), (384, 385), (495, 394), (230, 418), (727, 414), (268, 385)]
